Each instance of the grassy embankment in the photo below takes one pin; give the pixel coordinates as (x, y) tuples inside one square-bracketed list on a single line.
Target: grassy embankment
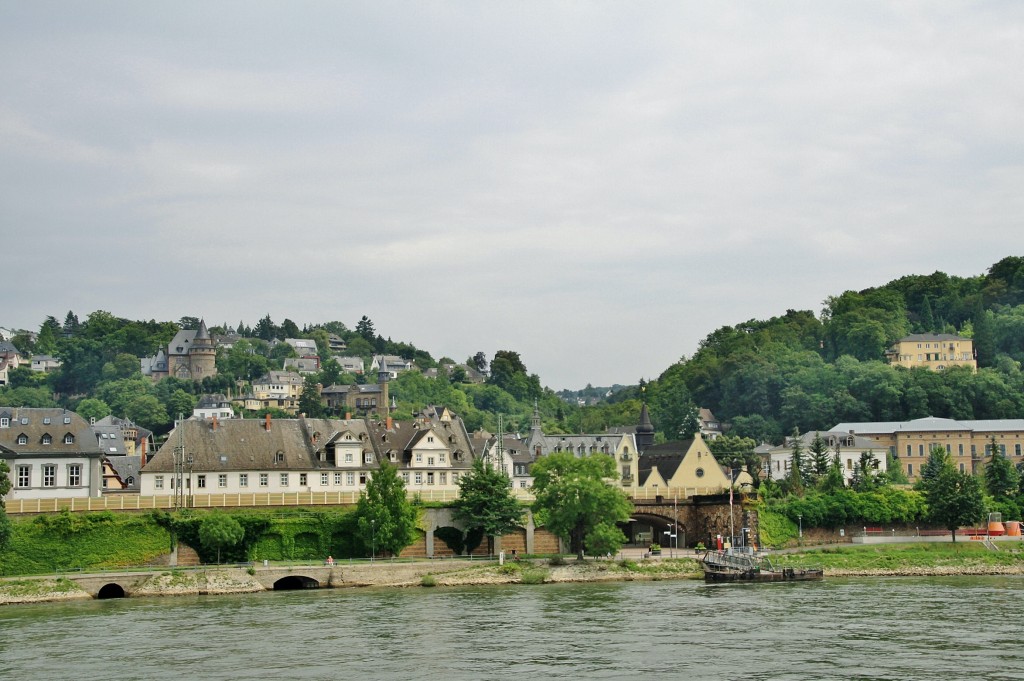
[(964, 557)]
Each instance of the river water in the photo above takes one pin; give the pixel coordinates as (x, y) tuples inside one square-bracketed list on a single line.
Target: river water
[(864, 628)]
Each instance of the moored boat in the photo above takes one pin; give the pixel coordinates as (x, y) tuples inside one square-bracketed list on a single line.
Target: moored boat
[(737, 566)]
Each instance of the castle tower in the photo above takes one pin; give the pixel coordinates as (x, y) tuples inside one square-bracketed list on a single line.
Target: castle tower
[(202, 356)]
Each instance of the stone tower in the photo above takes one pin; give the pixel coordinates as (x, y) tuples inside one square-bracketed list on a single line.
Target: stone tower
[(202, 355)]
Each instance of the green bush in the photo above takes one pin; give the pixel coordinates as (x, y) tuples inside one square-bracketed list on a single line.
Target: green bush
[(428, 580)]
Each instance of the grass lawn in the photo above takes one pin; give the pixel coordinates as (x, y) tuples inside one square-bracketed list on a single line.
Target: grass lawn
[(963, 554)]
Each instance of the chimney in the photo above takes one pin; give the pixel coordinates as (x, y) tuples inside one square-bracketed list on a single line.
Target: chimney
[(348, 415), (389, 423), (145, 450), (267, 423), (214, 426)]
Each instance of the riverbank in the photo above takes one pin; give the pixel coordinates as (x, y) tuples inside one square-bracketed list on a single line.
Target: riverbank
[(848, 561)]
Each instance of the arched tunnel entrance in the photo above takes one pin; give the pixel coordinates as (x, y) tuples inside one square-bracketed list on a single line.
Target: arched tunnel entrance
[(644, 529), (111, 591), (295, 582)]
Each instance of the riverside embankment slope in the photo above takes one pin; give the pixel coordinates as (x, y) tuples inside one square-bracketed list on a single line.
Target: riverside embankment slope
[(845, 562)]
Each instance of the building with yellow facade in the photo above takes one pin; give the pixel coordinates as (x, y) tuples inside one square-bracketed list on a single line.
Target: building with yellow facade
[(936, 351), (968, 443)]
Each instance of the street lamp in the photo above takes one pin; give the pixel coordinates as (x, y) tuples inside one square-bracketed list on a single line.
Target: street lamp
[(800, 519), (373, 539)]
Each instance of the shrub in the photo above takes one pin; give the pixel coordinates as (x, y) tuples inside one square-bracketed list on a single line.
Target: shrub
[(557, 560), (533, 576), (428, 580)]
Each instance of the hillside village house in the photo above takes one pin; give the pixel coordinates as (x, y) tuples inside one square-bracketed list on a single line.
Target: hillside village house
[(682, 469), (311, 455), (350, 365), (391, 364), (935, 351), (215, 405), (274, 390), (512, 457), (777, 461), (51, 453), (967, 442)]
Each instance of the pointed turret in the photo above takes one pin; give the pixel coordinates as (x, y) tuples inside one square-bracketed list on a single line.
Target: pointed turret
[(644, 430)]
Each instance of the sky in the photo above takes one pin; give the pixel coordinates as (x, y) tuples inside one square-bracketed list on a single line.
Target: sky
[(597, 186)]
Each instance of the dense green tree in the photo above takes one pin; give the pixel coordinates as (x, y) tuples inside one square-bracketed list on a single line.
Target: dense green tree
[(220, 531), (478, 362), (180, 402), (384, 515), (124, 365), (486, 503), (364, 327), (797, 465), (26, 397), (92, 408), (289, 329), (265, 329), (736, 453), (938, 459), (309, 400), (1001, 477), (954, 499), (819, 457), (673, 411), (575, 501)]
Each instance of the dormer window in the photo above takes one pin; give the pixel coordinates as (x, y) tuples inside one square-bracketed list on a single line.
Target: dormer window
[(279, 457), (23, 439), (47, 439), (46, 420), (67, 419), (5, 422)]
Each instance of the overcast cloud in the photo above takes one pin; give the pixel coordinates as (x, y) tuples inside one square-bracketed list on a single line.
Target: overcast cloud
[(594, 185)]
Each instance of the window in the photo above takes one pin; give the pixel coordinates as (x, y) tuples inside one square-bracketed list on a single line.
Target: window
[(243, 479), (362, 478), (324, 479), (24, 476), (201, 481), (49, 475), (974, 450), (962, 468), (910, 469), (419, 458), (350, 478), (367, 457), (303, 479), (222, 480), (405, 477), (284, 479), (699, 472), (337, 478), (69, 439), (158, 482), (23, 439), (908, 450), (441, 457), (279, 457), (47, 439), (46, 420), (960, 449), (430, 478), (348, 457), (522, 484), (1016, 450), (455, 477), (75, 475), (419, 478), (430, 461), (5, 422), (443, 478), (949, 448), (264, 480), (920, 450)]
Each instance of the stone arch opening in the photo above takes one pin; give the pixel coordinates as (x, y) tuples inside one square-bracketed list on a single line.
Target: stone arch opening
[(295, 583), (644, 529), (111, 591)]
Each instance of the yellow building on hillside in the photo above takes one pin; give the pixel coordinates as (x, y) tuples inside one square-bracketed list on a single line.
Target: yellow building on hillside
[(936, 351)]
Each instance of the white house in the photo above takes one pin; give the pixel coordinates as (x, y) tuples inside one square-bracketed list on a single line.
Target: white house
[(51, 453)]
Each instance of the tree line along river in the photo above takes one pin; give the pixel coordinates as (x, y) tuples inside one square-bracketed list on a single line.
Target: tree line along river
[(852, 628)]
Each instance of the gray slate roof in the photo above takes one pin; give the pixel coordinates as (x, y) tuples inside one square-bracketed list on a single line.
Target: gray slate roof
[(931, 424)]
